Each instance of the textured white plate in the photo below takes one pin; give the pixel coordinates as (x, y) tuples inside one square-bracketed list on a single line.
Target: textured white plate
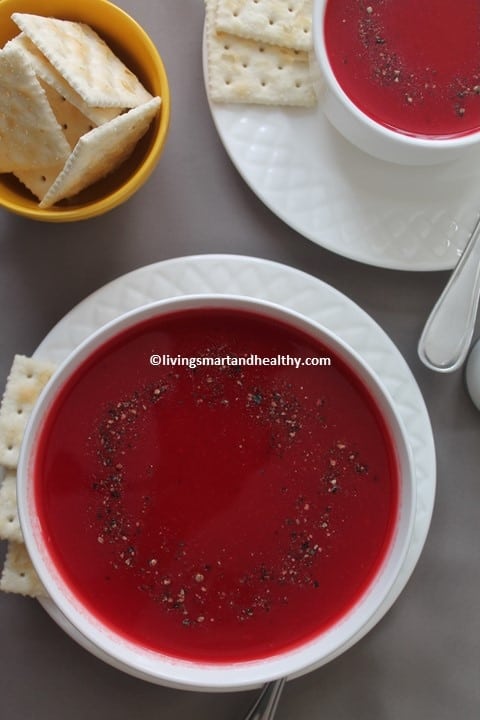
[(403, 218), (293, 289)]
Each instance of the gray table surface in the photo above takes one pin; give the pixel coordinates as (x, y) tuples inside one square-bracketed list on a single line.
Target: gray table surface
[(423, 659)]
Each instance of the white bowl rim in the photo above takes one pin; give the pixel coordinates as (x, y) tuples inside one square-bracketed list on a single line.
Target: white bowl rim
[(205, 676)]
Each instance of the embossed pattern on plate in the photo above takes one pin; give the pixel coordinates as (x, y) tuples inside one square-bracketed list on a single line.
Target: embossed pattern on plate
[(392, 216), (255, 277)]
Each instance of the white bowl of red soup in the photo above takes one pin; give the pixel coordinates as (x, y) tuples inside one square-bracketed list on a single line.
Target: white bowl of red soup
[(401, 77), (216, 491)]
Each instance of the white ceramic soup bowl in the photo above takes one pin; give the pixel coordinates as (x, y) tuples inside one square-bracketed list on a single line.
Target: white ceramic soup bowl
[(369, 135), (161, 668)]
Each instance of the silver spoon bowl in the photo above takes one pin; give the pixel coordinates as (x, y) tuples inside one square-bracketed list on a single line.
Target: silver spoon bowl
[(446, 337)]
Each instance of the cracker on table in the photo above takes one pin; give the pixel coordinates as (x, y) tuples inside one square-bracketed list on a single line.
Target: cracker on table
[(287, 23), (25, 382), (19, 575), (84, 60), (29, 132), (244, 71), (101, 151), (48, 75), (9, 521)]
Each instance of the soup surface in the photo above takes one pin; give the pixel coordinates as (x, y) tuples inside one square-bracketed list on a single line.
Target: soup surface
[(222, 512), (411, 65)]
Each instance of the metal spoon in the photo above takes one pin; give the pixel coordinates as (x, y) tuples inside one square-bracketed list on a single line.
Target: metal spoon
[(446, 337), (266, 704)]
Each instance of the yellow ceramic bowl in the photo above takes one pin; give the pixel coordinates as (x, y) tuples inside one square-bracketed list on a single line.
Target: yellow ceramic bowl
[(131, 43)]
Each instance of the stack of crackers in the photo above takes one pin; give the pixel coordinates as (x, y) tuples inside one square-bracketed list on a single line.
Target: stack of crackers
[(70, 110), (25, 382), (258, 51)]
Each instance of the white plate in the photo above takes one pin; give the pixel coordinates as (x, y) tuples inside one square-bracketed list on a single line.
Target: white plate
[(403, 218), (292, 289)]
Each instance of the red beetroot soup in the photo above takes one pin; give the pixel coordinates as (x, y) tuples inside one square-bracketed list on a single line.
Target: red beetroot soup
[(222, 512), (411, 65)]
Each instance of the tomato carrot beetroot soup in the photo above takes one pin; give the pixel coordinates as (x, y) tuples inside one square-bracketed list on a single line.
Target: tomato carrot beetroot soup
[(411, 65), (221, 510)]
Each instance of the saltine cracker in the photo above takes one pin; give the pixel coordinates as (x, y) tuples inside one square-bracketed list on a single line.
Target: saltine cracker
[(74, 124), (244, 71), (30, 135), (50, 76), (84, 60), (9, 520), (101, 151), (26, 380), (19, 575), (287, 23)]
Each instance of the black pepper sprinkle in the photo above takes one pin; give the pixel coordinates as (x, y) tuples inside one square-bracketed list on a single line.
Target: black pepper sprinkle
[(304, 541)]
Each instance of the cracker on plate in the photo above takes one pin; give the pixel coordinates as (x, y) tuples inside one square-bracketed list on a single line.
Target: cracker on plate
[(26, 379), (30, 134), (25, 382), (9, 521), (84, 60), (19, 575), (244, 71), (287, 23), (101, 151)]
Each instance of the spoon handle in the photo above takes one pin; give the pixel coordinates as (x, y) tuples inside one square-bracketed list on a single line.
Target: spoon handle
[(266, 704), (447, 334)]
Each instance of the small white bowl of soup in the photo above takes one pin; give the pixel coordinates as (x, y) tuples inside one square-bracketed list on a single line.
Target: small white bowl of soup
[(401, 77), (216, 492)]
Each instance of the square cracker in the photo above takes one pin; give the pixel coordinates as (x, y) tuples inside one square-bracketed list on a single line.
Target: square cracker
[(39, 180), (50, 77), (30, 135), (84, 60), (101, 151), (287, 23), (244, 71), (74, 124), (9, 521), (25, 382), (19, 575)]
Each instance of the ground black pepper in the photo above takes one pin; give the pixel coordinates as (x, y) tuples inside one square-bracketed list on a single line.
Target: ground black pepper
[(389, 67), (304, 535)]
